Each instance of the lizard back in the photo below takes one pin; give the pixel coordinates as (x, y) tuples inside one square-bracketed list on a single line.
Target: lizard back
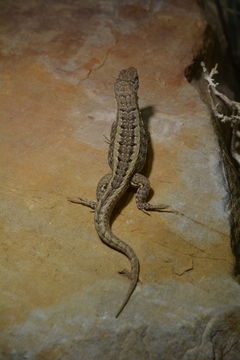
[(128, 148)]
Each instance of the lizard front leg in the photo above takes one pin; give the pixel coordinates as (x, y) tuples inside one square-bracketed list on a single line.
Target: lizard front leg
[(101, 188), (142, 184)]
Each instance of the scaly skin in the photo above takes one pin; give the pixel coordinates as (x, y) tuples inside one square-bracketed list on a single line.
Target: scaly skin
[(126, 157)]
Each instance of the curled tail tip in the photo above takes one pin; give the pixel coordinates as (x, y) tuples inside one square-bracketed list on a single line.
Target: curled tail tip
[(131, 290), (118, 313), (121, 308)]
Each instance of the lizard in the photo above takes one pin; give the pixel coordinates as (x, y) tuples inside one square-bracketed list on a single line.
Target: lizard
[(126, 157)]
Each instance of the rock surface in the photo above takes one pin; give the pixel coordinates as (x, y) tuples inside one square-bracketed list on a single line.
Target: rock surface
[(60, 287)]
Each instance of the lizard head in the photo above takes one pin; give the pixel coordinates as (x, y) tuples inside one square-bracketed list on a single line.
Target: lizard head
[(127, 82)]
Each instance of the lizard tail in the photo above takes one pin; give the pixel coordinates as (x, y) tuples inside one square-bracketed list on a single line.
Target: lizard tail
[(134, 280), (106, 235)]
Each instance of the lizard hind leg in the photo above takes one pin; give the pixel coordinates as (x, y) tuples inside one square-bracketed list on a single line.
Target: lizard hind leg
[(142, 184), (126, 273), (102, 185)]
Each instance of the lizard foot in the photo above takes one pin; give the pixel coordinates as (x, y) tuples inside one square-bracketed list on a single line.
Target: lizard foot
[(161, 208), (85, 202), (128, 274)]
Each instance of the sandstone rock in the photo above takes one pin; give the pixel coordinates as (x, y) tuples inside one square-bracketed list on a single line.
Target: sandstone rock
[(60, 287)]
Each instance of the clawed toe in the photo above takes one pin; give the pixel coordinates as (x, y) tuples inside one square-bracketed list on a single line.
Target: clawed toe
[(76, 201), (162, 208), (85, 202), (126, 273), (145, 211)]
